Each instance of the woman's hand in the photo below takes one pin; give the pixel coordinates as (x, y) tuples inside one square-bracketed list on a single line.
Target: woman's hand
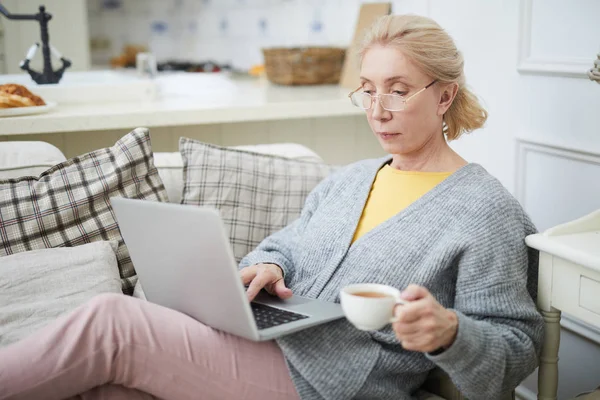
[(422, 323), (267, 276)]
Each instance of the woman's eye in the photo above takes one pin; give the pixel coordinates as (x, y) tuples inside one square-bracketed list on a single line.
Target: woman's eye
[(369, 92), (399, 93)]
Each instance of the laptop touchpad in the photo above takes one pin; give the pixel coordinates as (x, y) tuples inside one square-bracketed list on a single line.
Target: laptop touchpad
[(266, 298)]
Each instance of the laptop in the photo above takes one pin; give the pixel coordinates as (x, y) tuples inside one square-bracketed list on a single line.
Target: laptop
[(185, 262)]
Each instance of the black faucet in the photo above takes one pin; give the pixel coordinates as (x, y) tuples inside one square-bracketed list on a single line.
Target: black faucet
[(48, 75)]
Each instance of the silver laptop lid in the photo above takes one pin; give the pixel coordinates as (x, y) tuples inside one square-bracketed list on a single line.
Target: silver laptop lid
[(184, 261)]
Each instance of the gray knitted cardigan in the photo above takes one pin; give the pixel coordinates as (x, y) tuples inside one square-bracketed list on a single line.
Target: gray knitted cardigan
[(463, 241)]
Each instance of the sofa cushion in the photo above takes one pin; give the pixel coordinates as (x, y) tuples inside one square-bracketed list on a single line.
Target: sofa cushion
[(27, 158), (68, 205), (38, 286), (256, 194), (170, 165)]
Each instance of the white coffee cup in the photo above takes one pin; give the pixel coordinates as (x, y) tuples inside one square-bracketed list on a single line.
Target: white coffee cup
[(370, 306)]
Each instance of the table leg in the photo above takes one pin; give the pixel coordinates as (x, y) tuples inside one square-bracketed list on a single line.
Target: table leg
[(548, 370)]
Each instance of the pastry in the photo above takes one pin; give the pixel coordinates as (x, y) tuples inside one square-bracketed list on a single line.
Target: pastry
[(14, 95), (13, 100)]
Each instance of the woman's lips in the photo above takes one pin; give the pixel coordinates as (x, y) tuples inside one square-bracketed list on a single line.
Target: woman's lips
[(387, 135)]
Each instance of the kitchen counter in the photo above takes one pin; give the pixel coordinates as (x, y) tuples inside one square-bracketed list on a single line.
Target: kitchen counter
[(190, 99)]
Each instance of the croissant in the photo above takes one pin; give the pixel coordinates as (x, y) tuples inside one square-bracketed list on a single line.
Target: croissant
[(14, 95)]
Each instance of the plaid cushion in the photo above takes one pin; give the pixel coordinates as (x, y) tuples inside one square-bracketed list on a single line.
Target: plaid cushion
[(68, 205), (256, 194)]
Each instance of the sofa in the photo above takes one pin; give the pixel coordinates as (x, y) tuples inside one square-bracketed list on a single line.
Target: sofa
[(19, 159)]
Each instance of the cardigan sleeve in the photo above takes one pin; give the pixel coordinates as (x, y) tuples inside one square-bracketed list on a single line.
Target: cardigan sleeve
[(499, 328)]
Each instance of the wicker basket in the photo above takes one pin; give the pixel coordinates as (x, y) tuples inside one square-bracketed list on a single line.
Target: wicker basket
[(304, 66)]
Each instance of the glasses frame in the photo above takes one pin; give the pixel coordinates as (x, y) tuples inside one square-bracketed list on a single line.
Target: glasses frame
[(377, 96)]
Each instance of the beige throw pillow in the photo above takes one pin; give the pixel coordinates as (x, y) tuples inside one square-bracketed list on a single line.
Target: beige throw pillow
[(256, 194), (38, 286)]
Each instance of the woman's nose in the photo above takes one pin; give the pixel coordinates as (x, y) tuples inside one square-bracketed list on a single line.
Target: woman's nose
[(379, 113)]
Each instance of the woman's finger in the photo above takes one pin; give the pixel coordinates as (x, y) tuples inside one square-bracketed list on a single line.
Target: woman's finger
[(414, 292), (413, 311), (402, 329), (281, 290), (262, 279), (248, 273)]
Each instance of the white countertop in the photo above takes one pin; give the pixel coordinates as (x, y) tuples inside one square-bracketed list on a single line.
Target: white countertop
[(190, 99)]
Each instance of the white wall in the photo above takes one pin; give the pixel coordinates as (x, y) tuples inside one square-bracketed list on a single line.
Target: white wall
[(68, 30)]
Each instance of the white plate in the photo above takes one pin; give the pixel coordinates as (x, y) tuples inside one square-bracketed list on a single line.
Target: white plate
[(15, 111)]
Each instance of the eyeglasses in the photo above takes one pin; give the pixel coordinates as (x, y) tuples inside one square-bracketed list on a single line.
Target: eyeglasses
[(389, 102)]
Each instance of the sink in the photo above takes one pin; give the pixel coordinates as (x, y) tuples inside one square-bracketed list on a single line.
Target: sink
[(98, 86)]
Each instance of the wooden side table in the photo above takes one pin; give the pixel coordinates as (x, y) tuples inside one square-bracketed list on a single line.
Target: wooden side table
[(569, 281)]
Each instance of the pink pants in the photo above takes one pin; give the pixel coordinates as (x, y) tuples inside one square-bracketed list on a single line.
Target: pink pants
[(118, 347)]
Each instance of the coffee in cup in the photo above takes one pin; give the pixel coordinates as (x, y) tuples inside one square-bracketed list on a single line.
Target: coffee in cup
[(370, 294), (370, 306)]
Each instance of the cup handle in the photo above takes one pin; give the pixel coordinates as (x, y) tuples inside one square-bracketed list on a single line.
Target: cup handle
[(399, 302)]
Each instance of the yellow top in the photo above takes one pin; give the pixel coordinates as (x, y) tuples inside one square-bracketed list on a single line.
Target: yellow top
[(393, 191)]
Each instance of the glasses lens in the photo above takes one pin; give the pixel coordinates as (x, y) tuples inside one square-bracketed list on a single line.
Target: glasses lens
[(361, 100), (392, 102)]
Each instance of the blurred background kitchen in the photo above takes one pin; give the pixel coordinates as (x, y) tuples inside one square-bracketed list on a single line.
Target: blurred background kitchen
[(223, 31), (528, 60)]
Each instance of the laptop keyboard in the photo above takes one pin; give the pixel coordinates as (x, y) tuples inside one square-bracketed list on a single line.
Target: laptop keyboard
[(268, 317)]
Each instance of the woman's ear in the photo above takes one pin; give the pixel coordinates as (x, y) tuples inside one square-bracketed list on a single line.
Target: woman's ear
[(447, 94)]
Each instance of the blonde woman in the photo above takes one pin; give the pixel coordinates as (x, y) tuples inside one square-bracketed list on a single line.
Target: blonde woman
[(423, 220)]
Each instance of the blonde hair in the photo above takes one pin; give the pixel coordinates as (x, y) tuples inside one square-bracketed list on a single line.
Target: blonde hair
[(426, 44)]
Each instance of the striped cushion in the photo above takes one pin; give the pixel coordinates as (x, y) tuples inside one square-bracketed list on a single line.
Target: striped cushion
[(68, 205), (256, 194)]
